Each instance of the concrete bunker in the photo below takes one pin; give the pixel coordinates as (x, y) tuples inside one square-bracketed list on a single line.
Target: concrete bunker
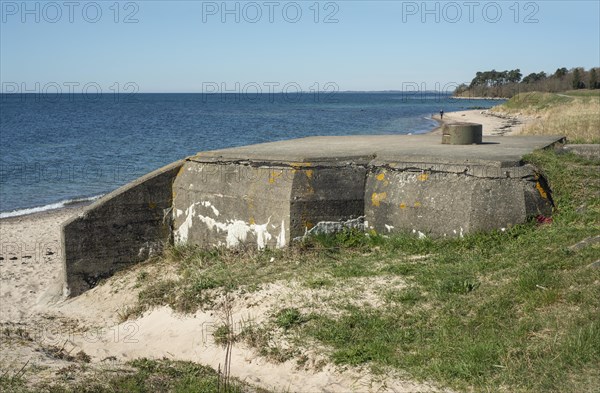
[(269, 194)]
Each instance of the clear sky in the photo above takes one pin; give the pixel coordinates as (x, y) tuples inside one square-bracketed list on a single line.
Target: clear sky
[(195, 46)]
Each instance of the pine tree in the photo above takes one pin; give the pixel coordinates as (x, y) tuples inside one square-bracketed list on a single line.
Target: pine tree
[(594, 84), (577, 83)]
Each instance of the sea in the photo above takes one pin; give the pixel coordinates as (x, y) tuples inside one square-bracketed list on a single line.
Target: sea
[(57, 150)]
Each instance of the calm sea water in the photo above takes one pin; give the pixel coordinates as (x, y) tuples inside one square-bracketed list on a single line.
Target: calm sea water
[(57, 149)]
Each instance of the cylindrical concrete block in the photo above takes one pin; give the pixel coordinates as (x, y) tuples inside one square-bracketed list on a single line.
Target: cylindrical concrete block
[(462, 134)]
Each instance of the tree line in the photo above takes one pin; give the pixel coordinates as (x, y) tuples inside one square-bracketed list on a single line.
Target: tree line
[(510, 82)]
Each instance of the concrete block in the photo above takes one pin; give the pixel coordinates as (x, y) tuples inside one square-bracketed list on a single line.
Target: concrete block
[(122, 228), (452, 202)]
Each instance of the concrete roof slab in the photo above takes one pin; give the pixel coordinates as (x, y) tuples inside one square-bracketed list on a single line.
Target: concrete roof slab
[(500, 151)]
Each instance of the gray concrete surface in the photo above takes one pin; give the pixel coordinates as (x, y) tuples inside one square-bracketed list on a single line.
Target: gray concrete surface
[(122, 228), (589, 151), (460, 133), (494, 151)]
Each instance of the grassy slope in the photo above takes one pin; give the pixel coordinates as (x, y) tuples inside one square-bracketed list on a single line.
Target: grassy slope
[(515, 310), (139, 376), (575, 114)]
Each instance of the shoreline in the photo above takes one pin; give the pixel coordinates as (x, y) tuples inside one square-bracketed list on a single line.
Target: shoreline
[(493, 124), (46, 212), (480, 98)]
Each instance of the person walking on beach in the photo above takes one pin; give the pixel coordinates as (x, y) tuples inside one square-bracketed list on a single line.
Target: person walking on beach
[(441, 114)]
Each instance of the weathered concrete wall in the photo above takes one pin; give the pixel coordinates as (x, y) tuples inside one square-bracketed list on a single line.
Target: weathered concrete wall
[(265, 204), (120, 229), (326, 193), (231, 204), (452, 200)]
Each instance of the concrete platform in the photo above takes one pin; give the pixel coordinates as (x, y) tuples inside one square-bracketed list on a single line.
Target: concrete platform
[(269, 194), (495, 151)]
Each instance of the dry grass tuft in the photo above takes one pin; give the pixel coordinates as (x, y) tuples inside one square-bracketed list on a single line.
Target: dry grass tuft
[(575, 116), (578, 121)]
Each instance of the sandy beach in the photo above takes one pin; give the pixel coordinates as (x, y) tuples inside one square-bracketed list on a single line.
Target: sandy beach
[(494, 124)]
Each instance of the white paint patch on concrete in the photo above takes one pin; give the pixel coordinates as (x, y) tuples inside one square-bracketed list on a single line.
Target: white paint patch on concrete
[(389, 227), (334, 226), (210, 205), (420, 234), (262, 234), (181, 233), (281, 236), (237, 231)]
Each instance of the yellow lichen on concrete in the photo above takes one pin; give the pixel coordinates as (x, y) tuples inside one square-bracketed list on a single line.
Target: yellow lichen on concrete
[(179, 172), (376, 198), (423, 177), (540, 189), (298, 165), (381, 178), (273, 175)]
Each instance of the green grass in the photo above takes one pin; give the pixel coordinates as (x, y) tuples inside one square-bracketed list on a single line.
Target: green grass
[(287, 318), (583, 93), (516, 310), (535, 101), (141, 376)]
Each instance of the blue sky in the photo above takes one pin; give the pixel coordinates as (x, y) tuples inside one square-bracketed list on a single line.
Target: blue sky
[(185, 46)]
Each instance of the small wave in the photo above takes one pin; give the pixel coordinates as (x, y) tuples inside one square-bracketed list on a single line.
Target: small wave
[(52, 206)]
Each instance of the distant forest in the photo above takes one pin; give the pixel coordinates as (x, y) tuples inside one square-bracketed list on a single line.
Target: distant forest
[(508, 83)]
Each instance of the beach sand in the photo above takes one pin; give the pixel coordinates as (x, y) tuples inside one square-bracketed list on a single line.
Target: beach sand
[(494, 124)]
